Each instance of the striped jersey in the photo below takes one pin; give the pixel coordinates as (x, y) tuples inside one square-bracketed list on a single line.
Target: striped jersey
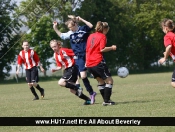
[(29, 59), (64, 58)]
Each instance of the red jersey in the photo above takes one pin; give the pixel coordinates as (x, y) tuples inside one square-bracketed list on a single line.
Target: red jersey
[(169, 39), (95, 43), (64, 58), (29, 58)]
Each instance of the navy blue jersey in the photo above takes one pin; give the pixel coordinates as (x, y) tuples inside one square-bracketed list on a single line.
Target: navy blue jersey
[(78, 39)]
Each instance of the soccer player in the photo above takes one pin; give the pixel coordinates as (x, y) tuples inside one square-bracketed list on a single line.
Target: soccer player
[(65, 59), (95, 62), (168, 27), (78, 37), (30, 59)]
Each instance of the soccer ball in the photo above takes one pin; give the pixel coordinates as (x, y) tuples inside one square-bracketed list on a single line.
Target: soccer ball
[(122, 72)]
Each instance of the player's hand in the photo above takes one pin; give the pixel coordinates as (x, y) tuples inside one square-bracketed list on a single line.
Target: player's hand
[(71, 16), (55, 24), (42, 69), (78, 18), (114, 47), (53, 70), (162, 60), (17, 71)]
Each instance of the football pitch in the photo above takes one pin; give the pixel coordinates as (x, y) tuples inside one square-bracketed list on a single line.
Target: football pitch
[(138, 95)]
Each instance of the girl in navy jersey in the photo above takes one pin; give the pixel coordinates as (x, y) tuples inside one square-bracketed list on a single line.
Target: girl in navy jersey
[(30, 59), (78, 36), (95, 63), (65, 59), (168, 27)]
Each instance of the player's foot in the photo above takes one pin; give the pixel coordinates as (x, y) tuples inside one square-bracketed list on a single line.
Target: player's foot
[(93, 98), (87, 102), (42, 93), (108, 103), (36, 98)]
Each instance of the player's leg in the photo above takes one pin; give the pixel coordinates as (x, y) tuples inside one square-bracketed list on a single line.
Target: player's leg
[(35, 79), (29, 81), (80, 62), (68, 80), (101, 86), (78, 81), (105, 74), (173, 79)]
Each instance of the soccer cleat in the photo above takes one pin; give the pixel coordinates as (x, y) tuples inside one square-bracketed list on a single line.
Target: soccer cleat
[(93, 97), (87, 102), (42, 93), (36, 98), (108, 103)]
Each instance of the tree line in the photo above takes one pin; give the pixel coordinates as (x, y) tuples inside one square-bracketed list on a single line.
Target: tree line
[(134, 28)]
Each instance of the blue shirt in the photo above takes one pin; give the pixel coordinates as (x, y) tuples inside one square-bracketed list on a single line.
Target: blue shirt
[(78, 39)]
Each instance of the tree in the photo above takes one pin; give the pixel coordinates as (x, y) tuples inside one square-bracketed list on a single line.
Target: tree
[(38, 16), (8, 37)]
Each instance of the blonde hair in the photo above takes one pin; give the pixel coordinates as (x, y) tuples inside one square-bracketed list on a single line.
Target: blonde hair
[(59, 43)]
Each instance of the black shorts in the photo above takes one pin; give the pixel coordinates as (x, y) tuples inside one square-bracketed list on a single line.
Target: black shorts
[(101, 70), (70, 74), (32, 75)]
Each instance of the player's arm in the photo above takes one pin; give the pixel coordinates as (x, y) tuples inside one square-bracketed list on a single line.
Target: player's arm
[(18, 68), (166, 54), (106, 49), (82, 20), (19, 62), (41, 67), (55, 69), (56, 29)]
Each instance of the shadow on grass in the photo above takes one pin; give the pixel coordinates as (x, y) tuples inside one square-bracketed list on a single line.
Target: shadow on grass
[(136, 101), (23, 80)]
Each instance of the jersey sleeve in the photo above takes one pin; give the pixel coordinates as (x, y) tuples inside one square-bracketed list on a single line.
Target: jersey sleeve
[(65, 36), (36, 57), (20, 60), (69, 52), (57, 61), (167, 41), (103, 42)]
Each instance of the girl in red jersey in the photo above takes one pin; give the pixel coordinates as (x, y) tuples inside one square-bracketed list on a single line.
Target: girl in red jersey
[(30, 59), (95, 63), (65, 59), (168, 27)]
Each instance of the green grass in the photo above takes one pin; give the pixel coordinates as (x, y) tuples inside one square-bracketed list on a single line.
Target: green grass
[(139, 95)]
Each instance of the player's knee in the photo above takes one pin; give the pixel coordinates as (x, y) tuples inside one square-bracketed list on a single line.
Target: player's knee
[(61, 83), (173, 84), (30, 85)]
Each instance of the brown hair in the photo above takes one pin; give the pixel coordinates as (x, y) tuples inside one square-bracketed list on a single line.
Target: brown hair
[(71, 21), (59, 43), (99, 27), (169, 24)]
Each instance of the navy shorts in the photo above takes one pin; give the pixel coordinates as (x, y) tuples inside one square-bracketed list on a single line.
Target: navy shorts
[(32, 75), (70, 74), (80, 62), (101, 70)]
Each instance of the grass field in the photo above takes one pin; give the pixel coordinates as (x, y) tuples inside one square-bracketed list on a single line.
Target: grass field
[(139, 95)]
